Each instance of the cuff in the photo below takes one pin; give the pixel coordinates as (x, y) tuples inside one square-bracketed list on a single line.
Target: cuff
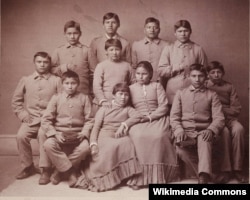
[(103, 100)]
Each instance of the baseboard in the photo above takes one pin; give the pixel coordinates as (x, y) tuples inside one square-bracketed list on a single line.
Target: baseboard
[(8, 146)]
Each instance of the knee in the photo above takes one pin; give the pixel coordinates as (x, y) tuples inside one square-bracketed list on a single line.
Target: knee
[(49, 144), (238, 130), (83, 149), (21, 136)]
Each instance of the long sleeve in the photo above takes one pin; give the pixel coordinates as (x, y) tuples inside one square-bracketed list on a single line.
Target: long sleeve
[(162, 108), (18, 100), (218, 120), (134, 56), (99, 117), (176, 114), (49, 117), (89, 120), (57, 68), (234, 108), (134, 117), (127, 52), (164, 66), (98, 84), (93, 61)]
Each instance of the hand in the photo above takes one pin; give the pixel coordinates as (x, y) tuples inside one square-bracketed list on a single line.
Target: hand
[(94, 150), (106, 104), (81, 136), (27, 119), (121, 131), (59, 137), (164, 71), (144, 119), (207, 135), (181, 136)]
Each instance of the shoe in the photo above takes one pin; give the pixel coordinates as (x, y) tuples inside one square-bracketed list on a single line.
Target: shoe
[(203, 178), (222, 178), (55, 178), (72, 179), (25, 173), (45, 176), (239, 177)]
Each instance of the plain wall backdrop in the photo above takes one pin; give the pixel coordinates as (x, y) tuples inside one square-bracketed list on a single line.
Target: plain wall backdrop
[(221, 27)]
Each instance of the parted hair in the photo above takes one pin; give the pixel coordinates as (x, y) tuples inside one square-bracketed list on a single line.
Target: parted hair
[(112, 43), (70, 74), (72, 24), (183, 23), (42, 54)]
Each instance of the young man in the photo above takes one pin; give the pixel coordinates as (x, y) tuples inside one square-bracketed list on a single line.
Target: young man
[(196, 117), (73, 56), (67, 124), (111, 23), (231, 108), (29, 101), (150, 47)]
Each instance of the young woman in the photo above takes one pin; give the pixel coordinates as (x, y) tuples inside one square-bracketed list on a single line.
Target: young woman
[(151, 137)]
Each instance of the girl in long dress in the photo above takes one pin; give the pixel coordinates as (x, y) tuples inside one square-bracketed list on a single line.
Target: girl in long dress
[(113, 153), (151, 137)]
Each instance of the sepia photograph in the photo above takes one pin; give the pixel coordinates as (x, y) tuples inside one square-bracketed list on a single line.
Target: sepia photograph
[(101, 99)]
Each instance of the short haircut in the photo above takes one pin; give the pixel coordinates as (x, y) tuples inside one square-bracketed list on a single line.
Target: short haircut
[(72, 24), (42, 54), (198, 67), (215, 65), (70, 74), (182, 23), (147, 66), (111, 15), (121, 87), (152, 20), (113, 43)]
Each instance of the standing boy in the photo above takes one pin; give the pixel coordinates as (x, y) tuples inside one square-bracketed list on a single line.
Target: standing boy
[(29, 101), (231, 108), (111, 23), (67, 124), (73, 56), (150, 47), (196, 116)]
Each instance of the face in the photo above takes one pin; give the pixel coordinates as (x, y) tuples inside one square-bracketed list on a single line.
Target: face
[(114, 53), (182, 34), (72, 35), (215, 75), (197, 78), (42, 65), (121, 98), (142, 76), (70, 85), (110, 26), (151, 30)]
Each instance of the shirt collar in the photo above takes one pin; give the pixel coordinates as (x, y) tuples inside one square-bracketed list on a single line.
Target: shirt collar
[(68, 45), (68, 96), (36, 75), (116, 36), (188, 44), (156, 41), (201, 89)]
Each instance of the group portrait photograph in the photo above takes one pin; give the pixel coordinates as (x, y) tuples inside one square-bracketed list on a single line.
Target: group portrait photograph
[(102, 99)]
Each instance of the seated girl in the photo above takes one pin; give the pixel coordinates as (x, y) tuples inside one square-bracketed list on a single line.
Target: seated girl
[(113, 154), (151, 137)]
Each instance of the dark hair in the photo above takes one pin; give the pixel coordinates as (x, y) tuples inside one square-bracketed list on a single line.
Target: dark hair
[(42, 54), (198, 67), (111, 15), (121, 87), (152, 19), (147, 66), (70, 74), (113, 42), (182, 23), (215, 65), (72, 24)]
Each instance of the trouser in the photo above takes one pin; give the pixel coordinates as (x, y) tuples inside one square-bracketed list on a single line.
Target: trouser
[(44, 160), (64, 161), (238, 144), (24, 135), (199, 157)]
